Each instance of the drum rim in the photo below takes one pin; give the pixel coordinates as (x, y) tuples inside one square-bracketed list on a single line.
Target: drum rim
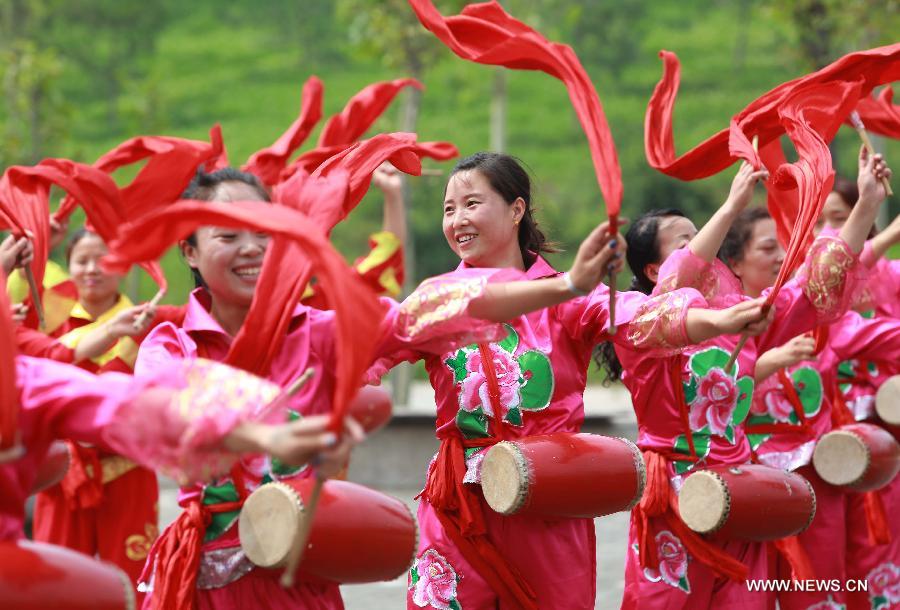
[(525, 477), (297, 499), (127, 586), (815, 501), (892, 381), (845, 431), (726, 512), (641, 469)]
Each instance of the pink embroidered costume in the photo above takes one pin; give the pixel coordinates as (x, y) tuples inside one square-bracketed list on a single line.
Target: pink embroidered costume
[(225, 577), (690, 413), (192, 407), (470, 556), (791, 410)]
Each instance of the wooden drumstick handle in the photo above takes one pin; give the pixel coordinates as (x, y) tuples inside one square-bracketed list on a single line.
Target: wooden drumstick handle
[(289, 392), (142, 319), (867, 142), (735, 352), (296, 553), (35, 295), (612, 303)]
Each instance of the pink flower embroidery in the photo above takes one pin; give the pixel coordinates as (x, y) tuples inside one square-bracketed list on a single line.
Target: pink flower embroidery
[(436, 582), (474, 391), (672, 558), (716, 399), (777, 405), (884, 581)]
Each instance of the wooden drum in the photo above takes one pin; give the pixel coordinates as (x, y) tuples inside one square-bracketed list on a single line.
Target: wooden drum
[(563, 475), (747, 502), (38, 576), (863, 457), (358, 534), (887, 401)]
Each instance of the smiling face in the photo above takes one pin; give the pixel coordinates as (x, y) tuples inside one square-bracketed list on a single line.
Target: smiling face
[(229, 260), (761, 259), (479, 225), (93, 284)]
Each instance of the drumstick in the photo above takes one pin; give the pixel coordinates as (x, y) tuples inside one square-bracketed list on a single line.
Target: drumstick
[(867, 142), (142, 319), (296, 552), (613, 229), (35, 295), (287, 393)]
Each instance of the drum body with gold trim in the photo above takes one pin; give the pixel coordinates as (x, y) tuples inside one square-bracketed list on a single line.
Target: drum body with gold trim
[(358, 534), (862, 457), (747, 502), (563, 475), (38, 576)]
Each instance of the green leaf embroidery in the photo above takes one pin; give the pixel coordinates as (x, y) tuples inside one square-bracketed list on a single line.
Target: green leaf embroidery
[(538, 388), (715, 357), (756, 440), (701, 444), (690, 390), (220, 522), (729, 433), (514, 416), (454, 605), (684, 585), (879, 602), (511, 342), (414, 574), (472, 425), (745, 399), (457, 364), (808, 385)]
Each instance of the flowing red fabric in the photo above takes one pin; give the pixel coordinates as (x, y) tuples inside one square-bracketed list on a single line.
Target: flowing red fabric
[(25, 206), (361, 111), (810, 115), (9, 395), (485, 33), (879, 114), (358, 312), (872, 68), (268, 162)]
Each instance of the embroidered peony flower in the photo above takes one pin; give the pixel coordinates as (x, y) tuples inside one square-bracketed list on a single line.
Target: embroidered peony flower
[(672, 558), (777, 405), (434, 581), (884, 581), (474, 391), (715, 402)]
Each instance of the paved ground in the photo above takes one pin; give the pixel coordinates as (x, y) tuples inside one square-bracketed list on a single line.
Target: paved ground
[(611, 536)]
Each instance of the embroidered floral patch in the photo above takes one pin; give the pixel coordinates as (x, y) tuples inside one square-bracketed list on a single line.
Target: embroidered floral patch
[(525, 383), (673, 562), (776, 408), (884, 586), (828, 604), (433, 582), (717, 401)]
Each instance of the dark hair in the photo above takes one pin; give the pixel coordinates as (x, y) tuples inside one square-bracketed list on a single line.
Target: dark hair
[(732, 249), (507, 176), (643, 249), (76, 237), (208, 187), (847, 189)]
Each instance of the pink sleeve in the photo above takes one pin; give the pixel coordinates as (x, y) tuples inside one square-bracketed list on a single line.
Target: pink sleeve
[(434, 319), (819, 294), (587, 317), (713, 280), (659, 326), (163, 345), (854, 336)]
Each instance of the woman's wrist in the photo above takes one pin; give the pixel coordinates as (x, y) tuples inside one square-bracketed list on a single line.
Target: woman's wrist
[(571, 287)]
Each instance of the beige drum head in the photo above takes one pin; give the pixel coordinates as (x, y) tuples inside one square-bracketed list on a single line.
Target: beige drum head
[(887, 401), (841, 458), (704, 502), (269, 523), (504, 478)]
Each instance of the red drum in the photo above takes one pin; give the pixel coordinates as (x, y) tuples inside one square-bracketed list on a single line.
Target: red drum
[(747, 502), (371, 407), (53, 467), (887, 401), (563, 475), (863, 457), (38, 576), (358, 534)]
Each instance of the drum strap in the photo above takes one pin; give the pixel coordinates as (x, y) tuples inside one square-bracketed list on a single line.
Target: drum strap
[(660, 500), (82, 485), (790, 392), (675, 370)]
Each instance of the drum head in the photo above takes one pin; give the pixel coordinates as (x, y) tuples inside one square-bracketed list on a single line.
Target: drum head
[(887, 401), (504, 478), (269, 523), (841, 458), (704, 502)]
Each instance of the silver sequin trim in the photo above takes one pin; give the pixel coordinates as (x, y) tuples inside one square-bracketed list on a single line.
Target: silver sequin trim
[(221, 567)]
